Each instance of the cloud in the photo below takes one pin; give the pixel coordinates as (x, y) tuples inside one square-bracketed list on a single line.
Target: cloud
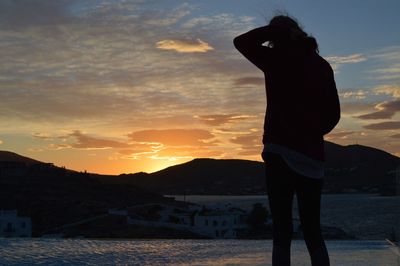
[(258, 81), (354, 108), (18, 13), (224, 23), (349, 59), (174, 137), (159, 18), (395, 136), (392, 90), (386, 110), (249, 141), (389, 60), (388, 73), (1, 142), (251, 144), (391, 125), (198, 46), (40, 135), (217, 120), (136, 153), (194, 152), (337, 61), (339, 135), (87, 142), (251, 152), (97, 65), (357, 94)]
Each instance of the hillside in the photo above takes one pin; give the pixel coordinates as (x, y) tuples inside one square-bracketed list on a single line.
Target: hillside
[(348, 168), (54, 196), (7, 156)]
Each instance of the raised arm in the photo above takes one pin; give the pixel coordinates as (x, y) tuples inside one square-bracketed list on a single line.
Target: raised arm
[(250, 44)]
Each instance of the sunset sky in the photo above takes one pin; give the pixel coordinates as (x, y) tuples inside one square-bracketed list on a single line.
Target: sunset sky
[(126, 86)]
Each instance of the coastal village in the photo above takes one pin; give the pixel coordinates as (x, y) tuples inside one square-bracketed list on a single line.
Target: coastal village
[(192, 220)]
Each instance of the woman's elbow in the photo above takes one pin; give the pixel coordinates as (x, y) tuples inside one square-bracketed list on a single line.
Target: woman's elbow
[(237, 42), (240, 42)]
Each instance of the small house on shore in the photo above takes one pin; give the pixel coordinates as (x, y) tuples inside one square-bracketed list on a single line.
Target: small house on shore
[(11, 225), (220, 223)]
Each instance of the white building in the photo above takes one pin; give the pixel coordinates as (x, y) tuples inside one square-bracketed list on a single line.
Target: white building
[(13, 226), (220, 223), (215, 223)]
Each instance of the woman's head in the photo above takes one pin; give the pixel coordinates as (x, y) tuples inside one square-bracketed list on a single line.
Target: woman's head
[(284, 22), (290, 33)]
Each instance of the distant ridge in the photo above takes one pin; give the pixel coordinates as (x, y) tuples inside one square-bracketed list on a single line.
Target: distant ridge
[(348, 168), (14, 157), (352, 168)]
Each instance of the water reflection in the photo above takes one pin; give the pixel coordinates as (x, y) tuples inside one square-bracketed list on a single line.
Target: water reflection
[(181, 252)]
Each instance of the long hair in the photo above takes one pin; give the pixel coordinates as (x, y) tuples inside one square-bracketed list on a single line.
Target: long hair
[(291, 33)]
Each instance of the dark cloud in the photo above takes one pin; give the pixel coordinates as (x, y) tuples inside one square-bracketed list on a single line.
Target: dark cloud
[(386, 110), (251, 145), (352, 108), (247, 141), (87, 142), (16, 14), (384, 125)]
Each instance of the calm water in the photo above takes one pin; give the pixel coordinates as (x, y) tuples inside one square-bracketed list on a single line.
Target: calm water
[(182, 252), (365, 216)]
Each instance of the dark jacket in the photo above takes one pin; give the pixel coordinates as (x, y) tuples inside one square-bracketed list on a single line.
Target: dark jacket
[(302, 99)]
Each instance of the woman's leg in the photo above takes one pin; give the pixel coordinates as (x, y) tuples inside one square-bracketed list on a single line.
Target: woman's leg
[(308, 192), (280, 188)]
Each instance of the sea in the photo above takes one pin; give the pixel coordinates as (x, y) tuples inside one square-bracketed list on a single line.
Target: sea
[(215, 252), (369, 217), (364, 216)]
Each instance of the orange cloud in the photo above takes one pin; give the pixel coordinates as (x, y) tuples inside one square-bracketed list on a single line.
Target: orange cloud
[(194, 152), (174, 137), (198, 46), (338, 135), (217, 120), (40, 135), (251, 152)]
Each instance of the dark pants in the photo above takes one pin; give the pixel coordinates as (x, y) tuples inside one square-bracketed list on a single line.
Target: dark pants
[(282, 183)]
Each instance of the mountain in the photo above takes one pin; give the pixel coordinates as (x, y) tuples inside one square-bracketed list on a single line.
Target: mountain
[(348, 168), (7, 156)]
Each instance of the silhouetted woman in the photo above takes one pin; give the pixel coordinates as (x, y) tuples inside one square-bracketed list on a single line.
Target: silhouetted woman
[(302, 106)]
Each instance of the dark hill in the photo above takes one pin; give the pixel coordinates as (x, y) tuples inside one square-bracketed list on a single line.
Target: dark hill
[(7, 156), (54, 196), (348, 168)]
